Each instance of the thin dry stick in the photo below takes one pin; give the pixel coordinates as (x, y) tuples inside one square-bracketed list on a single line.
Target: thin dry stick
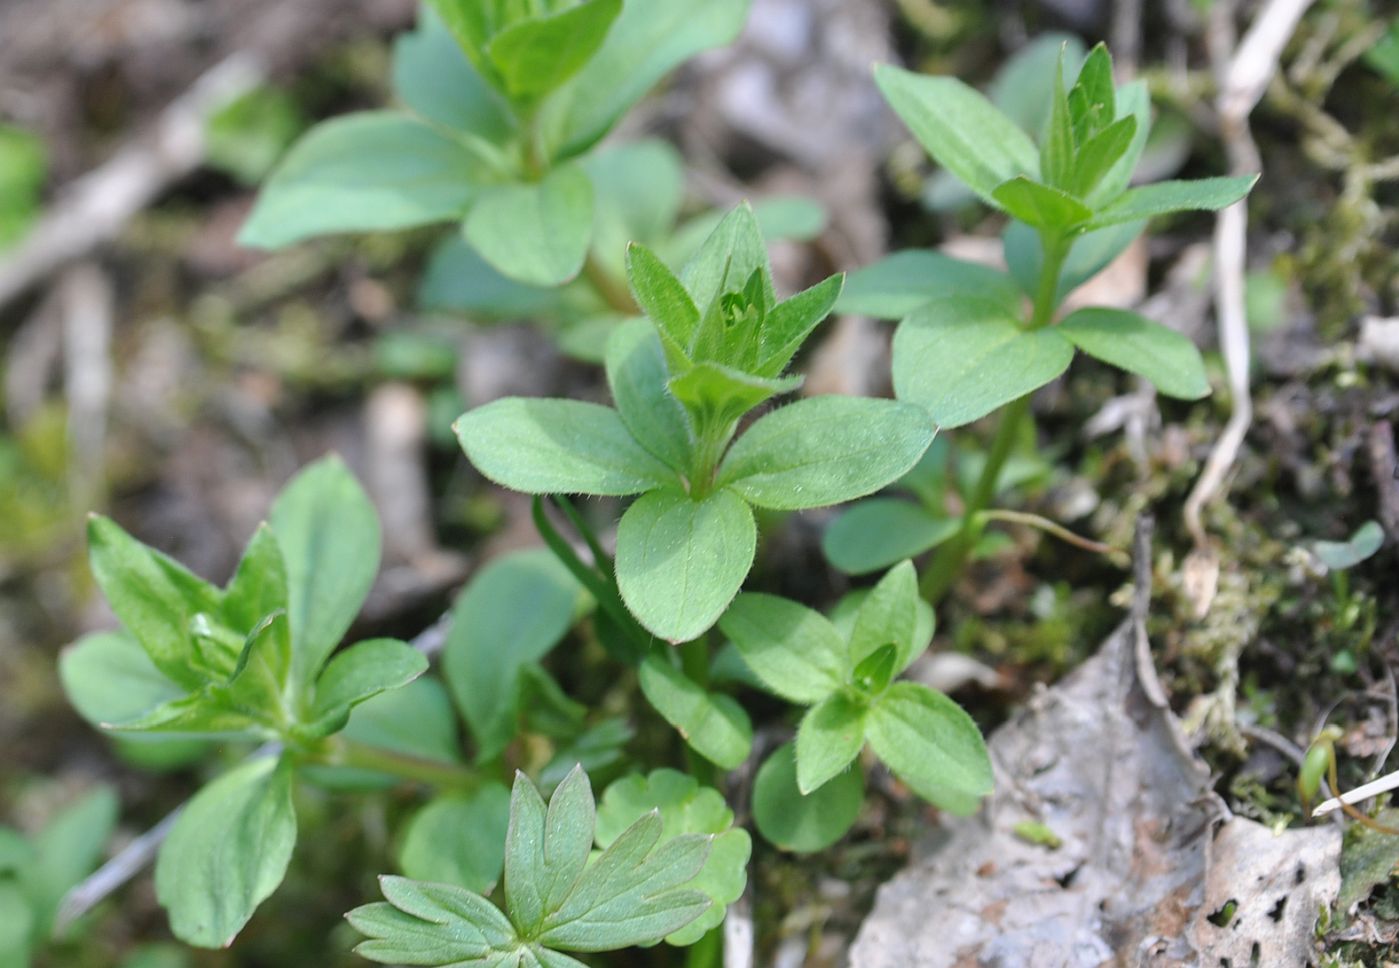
[(1245, 75), (135, 856), (96, 207)]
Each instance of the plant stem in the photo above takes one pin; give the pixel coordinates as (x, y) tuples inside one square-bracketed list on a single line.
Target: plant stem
[(434, 773), (952, 557), (613, 291), (707, 952)]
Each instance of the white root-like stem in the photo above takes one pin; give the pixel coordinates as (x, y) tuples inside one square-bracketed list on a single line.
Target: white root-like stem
[(1372, 789)]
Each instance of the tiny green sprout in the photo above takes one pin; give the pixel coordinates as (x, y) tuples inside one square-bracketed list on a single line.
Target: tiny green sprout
[(1340, 557), (716, 346), (1320, 763), (847, 679), (647, 883), (1034, 832)]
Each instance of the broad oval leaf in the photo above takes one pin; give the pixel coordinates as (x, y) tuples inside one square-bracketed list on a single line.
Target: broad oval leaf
[(1342, 555), (328, 532), (511, 614), (437, 81), (903, 282), (685, 808), (796, 652), (803, 824), (374, 171), (536, 233), (110, 680), (961, 358), (883, 531), (960, 128), (542, 446), (458, 838), (537, 55), (1131, 342), (714, 725), (227, 853), (932, 745), (825, 450), (681, 561), (360, 673)]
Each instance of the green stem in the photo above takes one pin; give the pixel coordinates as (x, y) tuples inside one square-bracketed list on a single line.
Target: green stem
[(707, 952), (434, 773), (694, 662), (952, 557)]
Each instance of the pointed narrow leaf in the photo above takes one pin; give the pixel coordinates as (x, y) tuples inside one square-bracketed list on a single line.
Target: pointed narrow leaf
[(227, 853), (712, 724), (546, 848), (535, 56), (962, 358), (1136, 344), (681, 561), (732, 253), (1039, 205), (961, 129), (932, 745), (665, 301), (831, 736), (1163, 198), (542, 446), (825, 450), (1058, 146), (795, 651), (537, 234), (328, 531), (1092, 103), (374, 171), (880, 532), (434, 924), (637, 376), (155, 597), (888, 616), (1101, 153), (804, 824), (792, 321), (645, 43), (1133, 101)]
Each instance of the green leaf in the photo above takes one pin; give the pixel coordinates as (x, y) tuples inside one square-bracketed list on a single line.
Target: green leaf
[(328, 532), (227, 853), (511, 614), (258, 588), (795, 651), (109, 679), (367, 172), (1133, 101), (416, 721), (66, 851), (906, 281), (639, 188), (685, 808), (874, 673), (542, 446), (880, 532), (23, 170), (1058, 147), (535, 56), (1163, 198), (459, 838), (961, 358), (1093, 102), (645, 43), (1042, 206), (360, 673), (459, 280), (1101, 154), (803, 824), (1091, 252), (538, 233), (1343, 555), (666, 302), (717, 396), (732, 255), (437, 81), (712, 724), (831, 736), (436, 924), (825, 450), (681, 561), (888, 616), (16, 925), (1022, 87), (546, 848), (637, 376), (932, 745), (964, 132), (155, 597), (1136, 344), (791, 322)]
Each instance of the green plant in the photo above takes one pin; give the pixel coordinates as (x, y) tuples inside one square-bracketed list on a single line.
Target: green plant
[(36, 873), (966, 345), (23, 168), (503, 105)]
